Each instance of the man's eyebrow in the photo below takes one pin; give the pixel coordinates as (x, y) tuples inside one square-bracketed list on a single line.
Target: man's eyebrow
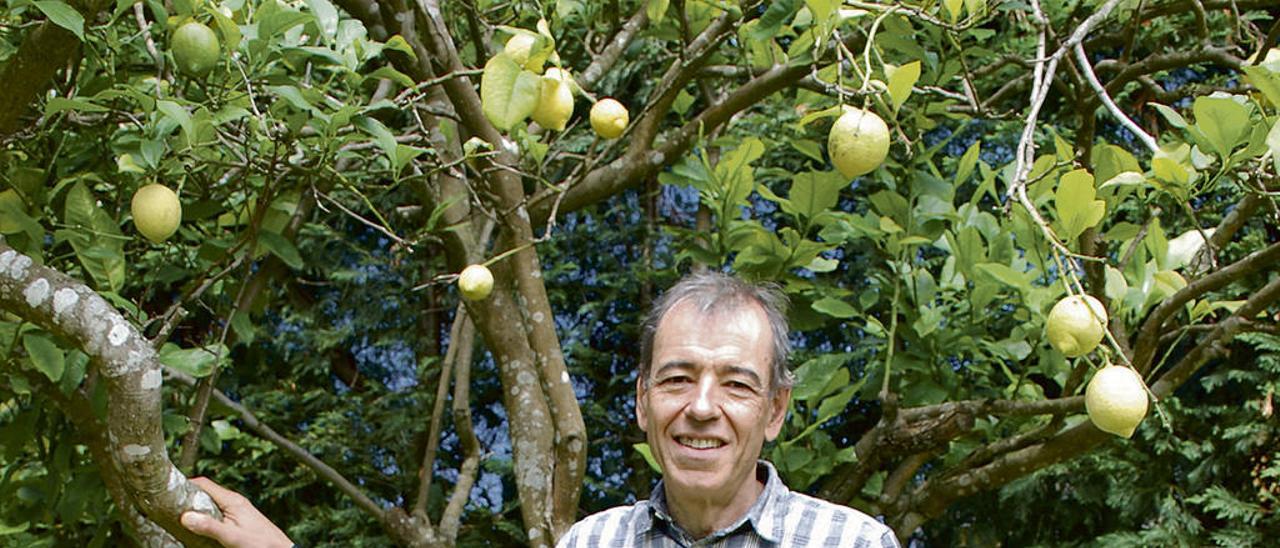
[(675, 364), (739, 370)]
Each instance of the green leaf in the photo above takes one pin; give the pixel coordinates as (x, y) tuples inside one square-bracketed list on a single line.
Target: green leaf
[(1174, 119), (825, 113), (45, 355), (968, 162), (197, 362), (834, 405), (735, 172), (813, 375), (179, 115), (1266, 81), (398, 43), (1005, 274), (59, 104), (647, 453), (282, 248), (656, 9), (94, 236), (1223, 121), (953, 8), (900, 81), (1273, 142), (772, 20), (835, 308), (815, 192), (278, 21), (508, 93), (326, 17), (1077, 210), (63, 15), (229, 30)]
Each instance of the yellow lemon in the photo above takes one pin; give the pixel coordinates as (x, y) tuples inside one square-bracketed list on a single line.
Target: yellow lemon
[(555, 100), (609, 118), (156, 212), (195, 49), (519, 46), (858, 142), (475, 282), (1116, 400), (1073, 328)]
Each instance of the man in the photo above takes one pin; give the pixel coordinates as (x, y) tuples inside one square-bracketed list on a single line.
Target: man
[(712, 388)]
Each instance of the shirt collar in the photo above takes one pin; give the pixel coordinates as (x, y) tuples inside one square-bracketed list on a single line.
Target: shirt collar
[(762, 515)]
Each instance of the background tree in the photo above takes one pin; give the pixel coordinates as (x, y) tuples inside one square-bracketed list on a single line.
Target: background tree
[(340, 162)]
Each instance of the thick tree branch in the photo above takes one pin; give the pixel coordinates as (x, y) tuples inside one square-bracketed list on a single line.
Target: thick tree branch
[(128, 364), (1149, 334), (609, 56)]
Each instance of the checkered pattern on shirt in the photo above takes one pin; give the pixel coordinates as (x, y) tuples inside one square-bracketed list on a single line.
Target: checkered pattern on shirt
[(779, 518)]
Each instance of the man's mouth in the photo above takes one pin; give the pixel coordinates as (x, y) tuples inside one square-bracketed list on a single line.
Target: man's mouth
[(699, 443)]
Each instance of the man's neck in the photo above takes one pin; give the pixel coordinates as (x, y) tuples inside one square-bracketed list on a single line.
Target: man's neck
[(700, 515)]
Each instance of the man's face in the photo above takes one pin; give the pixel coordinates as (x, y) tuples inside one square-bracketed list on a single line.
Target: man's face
[(707, 409)]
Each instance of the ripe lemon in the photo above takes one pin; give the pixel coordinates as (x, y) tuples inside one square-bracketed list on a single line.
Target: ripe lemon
[(475, 282), (156, 212), (1072, 328), (858, 142), (555, 100), (1116, 400), (518, 47), (195, 48), (609, 118)]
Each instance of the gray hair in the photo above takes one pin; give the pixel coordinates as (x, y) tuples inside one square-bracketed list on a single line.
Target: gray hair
[(714, 291)]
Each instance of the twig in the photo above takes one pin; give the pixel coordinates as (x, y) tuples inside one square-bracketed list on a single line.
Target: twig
[(1098, 88)]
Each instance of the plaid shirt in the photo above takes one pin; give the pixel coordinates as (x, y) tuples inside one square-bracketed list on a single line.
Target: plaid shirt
[(779, 517)]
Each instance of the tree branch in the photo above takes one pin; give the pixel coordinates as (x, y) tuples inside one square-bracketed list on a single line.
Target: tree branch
[(125, 359), (1149, 334), (611, 53)]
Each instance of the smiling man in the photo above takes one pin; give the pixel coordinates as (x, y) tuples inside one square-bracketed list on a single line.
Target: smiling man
[(712, 388)]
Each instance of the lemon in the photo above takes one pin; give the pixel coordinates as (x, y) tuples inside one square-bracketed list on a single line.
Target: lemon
[(475, 282), (1116, 400), (156, 212), (519, 46), (858, 142), (1072, 328), (555, 100), (609, 118), (195, 48)]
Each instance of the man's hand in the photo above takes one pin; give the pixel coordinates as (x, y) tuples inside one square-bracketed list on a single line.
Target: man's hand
[(242, 525)]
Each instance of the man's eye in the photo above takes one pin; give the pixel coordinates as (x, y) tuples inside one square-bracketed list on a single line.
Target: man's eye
[(675, 380), (739, 385)]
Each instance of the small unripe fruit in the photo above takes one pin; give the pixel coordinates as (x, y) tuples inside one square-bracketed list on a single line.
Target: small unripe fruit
[(156, 212), (555, 100), (609, 118), (858, 142), (1116, 400), (475, 282), (1076, 325), (195, 49)]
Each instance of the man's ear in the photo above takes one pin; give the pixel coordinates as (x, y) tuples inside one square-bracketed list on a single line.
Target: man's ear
[(641, 411), (777, 413)]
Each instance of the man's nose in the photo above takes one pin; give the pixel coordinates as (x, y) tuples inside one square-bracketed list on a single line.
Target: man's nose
[(706, 401)]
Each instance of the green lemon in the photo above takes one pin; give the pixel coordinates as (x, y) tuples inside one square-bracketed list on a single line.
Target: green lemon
[(475, 282), (1116, 400), (1073, 328), (156, 212), (195, 49), (858, 142)]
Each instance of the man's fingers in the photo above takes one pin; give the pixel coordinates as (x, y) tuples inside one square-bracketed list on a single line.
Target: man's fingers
[(205, 525), (220, 495)]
